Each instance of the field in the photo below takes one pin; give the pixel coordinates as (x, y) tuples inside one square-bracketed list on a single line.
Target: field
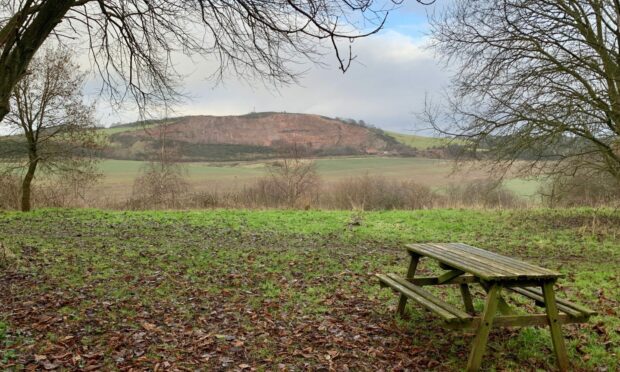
[(419, 142), (286, 290), (120, 174)]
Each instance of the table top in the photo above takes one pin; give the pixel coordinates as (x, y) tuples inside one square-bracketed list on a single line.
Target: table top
[(483, 264)]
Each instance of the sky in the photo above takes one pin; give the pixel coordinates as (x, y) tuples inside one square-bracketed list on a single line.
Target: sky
[(385, 86)]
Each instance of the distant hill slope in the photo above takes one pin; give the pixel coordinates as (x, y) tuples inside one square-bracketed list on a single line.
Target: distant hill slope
[(419, 142), (247, 137)]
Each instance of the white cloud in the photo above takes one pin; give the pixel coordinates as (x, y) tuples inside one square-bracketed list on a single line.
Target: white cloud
[(385, 84)]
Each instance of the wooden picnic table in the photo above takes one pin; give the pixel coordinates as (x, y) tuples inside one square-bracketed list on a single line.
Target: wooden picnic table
[(466, 265)]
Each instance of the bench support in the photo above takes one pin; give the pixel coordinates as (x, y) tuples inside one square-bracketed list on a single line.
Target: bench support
[(482, 334), (469, 304), (413, 266)]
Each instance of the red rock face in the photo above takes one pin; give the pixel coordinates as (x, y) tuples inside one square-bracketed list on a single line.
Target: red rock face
[(313, 131)]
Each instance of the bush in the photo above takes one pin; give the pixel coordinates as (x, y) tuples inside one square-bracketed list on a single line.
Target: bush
[(376, 193), (10, 191), (484, 193), (161, 185), (581, 190)]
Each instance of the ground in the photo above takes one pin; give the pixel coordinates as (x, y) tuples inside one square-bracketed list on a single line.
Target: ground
[(289, 290)]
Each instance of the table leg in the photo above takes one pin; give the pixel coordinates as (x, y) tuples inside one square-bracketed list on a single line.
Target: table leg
[(413, 265), (482, 334), (502, 305), (555, 326)]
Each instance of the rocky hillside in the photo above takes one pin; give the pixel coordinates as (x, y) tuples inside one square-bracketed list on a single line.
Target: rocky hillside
[(252, 136)]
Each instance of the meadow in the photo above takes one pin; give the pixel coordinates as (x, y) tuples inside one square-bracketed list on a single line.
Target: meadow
[(287, 290), (119, 175), (421, 142)]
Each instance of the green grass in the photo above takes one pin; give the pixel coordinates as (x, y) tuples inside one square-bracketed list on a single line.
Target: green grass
[(218, 289), (420, 142), (132, 126)]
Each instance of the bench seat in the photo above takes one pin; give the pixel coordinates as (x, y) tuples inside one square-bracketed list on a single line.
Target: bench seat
[(449, 313), (456, 318), (569, 308)]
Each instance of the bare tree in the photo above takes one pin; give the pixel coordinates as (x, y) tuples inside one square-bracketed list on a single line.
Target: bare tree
[(52, 127), (163, 181), (131, 42), (294, 175), (536, 80)]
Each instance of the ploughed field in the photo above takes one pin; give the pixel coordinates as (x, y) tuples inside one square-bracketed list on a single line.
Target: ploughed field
[(290, 290)]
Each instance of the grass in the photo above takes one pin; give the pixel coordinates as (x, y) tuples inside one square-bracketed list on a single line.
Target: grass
[(281, 289), (420, 142)]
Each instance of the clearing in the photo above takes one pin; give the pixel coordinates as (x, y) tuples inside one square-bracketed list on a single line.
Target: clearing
[(234, 289)]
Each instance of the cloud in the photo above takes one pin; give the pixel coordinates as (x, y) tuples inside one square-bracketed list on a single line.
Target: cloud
[(385, 85)]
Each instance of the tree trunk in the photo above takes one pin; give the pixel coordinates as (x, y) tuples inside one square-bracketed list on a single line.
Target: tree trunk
[(26, 186), (20, 47)]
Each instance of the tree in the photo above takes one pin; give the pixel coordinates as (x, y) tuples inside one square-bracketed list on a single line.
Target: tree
[(163, 182), (294, 176), (52, 127), (536, 80), (131, 42)]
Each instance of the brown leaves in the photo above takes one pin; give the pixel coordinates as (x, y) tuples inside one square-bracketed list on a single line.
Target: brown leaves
[(136, 295)]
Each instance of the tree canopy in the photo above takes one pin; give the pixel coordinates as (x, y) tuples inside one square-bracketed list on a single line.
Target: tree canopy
[(535, 79), (55, 130)]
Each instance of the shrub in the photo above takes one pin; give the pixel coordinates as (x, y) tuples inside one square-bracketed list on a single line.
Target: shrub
[(376, 193), (581, 190), (486, 193), (10, 191), (161, 185)]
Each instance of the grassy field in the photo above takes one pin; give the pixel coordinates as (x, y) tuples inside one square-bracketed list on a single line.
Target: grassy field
[(120, 174), (287, 290), (419, 142)]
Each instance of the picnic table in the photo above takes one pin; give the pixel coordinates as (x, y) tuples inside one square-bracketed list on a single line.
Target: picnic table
[(496, 274)]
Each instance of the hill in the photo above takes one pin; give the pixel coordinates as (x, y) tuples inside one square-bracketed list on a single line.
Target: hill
[(248, 137)]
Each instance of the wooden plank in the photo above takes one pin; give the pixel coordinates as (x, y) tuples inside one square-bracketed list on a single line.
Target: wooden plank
[(561, 302), (527, 320), (539, 298), (430, 297), (443, 313), (492, 268), (554, 326), (517, 264), (413, 265), (470, 264), (491, 264), (510, 261), (487, 265), (495, 261), (507, 263), (433, 280), (482, 334), (463, 263), (456, 256), (450, 275)]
